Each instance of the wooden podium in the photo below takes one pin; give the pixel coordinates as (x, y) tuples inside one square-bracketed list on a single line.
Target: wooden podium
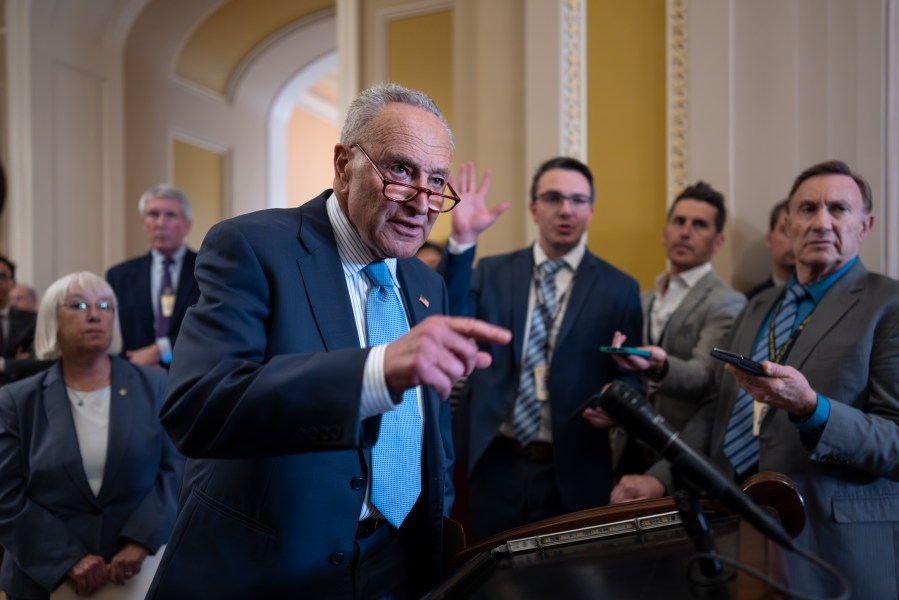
[(632, 550)]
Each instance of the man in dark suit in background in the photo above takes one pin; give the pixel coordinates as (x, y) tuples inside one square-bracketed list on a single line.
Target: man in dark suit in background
[(155, 290), (783, 261), (16, 331), (529, 453), (320, 451)]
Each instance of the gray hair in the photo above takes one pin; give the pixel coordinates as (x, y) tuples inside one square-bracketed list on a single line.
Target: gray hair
[(164, 190), (368, 104), (46, 344)]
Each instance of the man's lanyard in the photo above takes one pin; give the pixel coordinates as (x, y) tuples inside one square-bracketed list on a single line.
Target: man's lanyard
[(779, 356), (549, 319)]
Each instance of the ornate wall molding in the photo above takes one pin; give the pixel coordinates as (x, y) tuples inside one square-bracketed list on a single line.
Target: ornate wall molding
[(678, 154), (573, 79)]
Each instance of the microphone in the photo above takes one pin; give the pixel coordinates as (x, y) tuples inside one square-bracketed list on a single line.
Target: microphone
[(693, 470)]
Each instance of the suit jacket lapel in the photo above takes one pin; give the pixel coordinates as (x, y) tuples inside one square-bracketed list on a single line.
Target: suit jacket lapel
[(322, 275), (842, 295), (418, 305), (581, 287), (121, 421), (522, 274), (697, 294), (142, 289), (186, 283), (61, 428)]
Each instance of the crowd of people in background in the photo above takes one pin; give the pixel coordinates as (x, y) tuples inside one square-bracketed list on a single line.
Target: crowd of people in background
[(302, 362)]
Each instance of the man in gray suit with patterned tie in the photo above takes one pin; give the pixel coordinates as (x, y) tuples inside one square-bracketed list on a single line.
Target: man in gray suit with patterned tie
[(826, 410)]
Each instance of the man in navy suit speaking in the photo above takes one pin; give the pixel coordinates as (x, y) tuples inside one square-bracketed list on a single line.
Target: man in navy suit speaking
[(154, 290), (309, 381)]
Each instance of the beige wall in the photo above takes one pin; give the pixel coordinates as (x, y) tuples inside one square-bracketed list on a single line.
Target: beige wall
[(310, 164), (200, 174)]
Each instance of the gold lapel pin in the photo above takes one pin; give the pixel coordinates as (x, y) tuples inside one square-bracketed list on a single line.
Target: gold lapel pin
[(424, 301), (122, 391)]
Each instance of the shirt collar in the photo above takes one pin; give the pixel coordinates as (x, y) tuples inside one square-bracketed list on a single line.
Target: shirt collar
[(688, 278), (159, 257), (572, 258), (818, 289), (354, 254)]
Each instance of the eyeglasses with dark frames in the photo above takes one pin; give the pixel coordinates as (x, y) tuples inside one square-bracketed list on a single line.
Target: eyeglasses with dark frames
[(401, 193)]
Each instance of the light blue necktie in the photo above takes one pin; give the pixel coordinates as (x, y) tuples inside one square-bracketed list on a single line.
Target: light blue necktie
[(396, 457), (741, 445), (526, 419)]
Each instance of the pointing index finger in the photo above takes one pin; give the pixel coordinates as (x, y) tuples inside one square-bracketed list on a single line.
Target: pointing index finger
[(480, 331)]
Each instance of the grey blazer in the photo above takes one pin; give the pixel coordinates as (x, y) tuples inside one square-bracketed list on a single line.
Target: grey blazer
[(703, 321), (849, 352)]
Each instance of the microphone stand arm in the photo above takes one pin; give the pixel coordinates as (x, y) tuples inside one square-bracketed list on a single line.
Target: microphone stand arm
[(686, 500)]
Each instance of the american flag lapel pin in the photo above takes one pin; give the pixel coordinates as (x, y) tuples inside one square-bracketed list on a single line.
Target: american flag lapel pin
[(424, 301)]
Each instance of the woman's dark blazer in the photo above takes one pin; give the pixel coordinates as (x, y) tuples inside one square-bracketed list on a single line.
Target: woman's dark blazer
[(49, 517)]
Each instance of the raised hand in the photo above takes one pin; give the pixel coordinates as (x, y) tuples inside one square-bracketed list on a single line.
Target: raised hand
[(471, 216)]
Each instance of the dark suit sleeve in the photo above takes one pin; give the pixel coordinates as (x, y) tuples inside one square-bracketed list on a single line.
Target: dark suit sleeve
[(151, 522), (22, 521), (228, 399), (456, 272), (864, 434), (631, 325)]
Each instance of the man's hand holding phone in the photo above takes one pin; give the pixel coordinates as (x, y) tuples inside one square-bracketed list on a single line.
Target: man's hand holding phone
[(780, 386), (634, 358)]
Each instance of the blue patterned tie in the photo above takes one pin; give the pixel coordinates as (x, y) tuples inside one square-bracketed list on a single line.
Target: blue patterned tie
[(740, 444), (396, 457), (526, 419)]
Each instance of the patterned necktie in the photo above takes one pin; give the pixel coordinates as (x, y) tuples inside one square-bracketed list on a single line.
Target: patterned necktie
[(165, 288), (526, 419), (740, 444), (396, 457)]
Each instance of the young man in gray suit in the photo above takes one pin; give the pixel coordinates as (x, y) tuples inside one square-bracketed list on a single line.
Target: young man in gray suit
[(826, 410), (689, 311)]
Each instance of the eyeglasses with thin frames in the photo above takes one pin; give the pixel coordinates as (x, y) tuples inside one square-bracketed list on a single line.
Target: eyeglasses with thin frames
[(401, 193), (555, 199), (104, 307)]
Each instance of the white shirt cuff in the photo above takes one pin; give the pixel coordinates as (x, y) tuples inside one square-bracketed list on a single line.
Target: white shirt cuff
[(455, 247), (376, 398)]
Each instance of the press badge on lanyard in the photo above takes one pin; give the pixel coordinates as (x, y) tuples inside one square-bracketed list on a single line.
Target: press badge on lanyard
[(167, 303)]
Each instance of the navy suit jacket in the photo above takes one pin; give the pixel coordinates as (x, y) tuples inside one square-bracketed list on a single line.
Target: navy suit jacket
[(130, 281), (264, 396), (49, 516), (603, 299)]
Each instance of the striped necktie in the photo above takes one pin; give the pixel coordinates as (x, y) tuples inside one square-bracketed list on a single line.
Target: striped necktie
[(526, 418), (166, 295), (741, 446), (396, 457)]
